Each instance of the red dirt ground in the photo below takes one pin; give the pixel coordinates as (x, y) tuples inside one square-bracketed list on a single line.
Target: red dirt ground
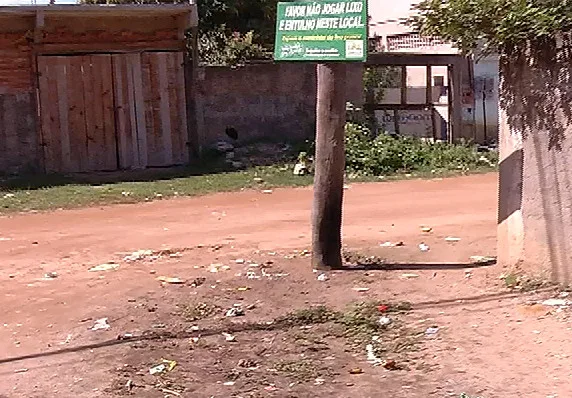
[(491, 342)]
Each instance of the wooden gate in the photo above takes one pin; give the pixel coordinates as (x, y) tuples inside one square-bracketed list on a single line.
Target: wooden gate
[(105, 112)]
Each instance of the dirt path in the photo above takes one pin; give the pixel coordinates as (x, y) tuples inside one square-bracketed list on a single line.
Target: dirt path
[(487, 346)]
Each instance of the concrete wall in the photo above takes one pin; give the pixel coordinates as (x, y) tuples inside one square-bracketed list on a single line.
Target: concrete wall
[(487, 99), (535, 200), (264, 101)]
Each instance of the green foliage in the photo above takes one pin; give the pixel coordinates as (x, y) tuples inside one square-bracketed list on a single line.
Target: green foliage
[(385, 154), (230, 31), (493, 24), (218, 47), (376, 79)]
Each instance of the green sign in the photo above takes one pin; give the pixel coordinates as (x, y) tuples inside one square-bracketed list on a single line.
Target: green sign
[(323, 31)]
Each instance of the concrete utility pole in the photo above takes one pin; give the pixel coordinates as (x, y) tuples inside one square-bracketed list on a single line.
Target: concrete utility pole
[(329, 167)]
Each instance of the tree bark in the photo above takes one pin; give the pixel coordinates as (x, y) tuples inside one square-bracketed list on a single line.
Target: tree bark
[(329, 167)]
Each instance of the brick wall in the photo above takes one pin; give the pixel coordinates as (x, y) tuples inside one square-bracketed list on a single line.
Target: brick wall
[(267, 101), (15, 63)]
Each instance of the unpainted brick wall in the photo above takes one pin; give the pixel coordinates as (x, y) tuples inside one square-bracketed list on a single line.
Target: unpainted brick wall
[(18, 136), (15, 63), (264, 101)]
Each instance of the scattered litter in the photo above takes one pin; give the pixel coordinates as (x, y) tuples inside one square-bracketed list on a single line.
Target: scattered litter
[(239, 261), (51, 275), (356, 371), (138, 255), (229, 337), (432, 331), (468, 274), (171, 280), (361, 289), (409, 276), (319, 381), (243, 289), (390, 364), (67, 340), (384, 321), (104, 267), (163, 367), (371, 357), (235, 311), (2, 239), (258, 180), (452, 239), (198, 282), (423, 247), (392, 244), (101, 324), (426, 229), (323, 277), (556, 303), (482, 259), (383, 308), (228, 383), (194, 328), (214, 268), (23, 370), (267, 191), (125, 336), (271, 388), (159, 326), (247, 364), (129, 385)]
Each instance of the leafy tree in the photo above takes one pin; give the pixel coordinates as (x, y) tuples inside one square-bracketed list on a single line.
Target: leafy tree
[(230, 31), (493, 25)]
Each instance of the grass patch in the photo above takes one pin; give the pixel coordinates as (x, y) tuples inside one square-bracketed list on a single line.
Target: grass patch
[(301, 370), (197, 311), (360, 324), (266, 166)]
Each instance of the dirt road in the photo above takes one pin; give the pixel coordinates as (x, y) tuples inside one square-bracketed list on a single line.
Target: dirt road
[(42, 315)]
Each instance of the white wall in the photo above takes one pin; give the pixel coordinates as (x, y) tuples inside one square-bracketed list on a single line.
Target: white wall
[(487, 78)]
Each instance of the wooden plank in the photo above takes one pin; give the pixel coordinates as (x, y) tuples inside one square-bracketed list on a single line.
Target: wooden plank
[(152, 109), (139, 101), (105, 75), (91, 114), (76, 114), (125, 150), (49, 115), (62, 96), (180, 108), (165, 132), (106, 48), (130, 91)]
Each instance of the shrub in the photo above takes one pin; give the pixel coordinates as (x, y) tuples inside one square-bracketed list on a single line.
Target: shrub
[(385, 154)]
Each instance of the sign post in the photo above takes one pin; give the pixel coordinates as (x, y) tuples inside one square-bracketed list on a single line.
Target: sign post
[(330, 33)]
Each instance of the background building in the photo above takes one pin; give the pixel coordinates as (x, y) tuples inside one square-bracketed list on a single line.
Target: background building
[(389, 33)]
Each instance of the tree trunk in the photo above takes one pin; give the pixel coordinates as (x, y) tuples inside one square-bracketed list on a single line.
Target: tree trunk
[(329, 167)]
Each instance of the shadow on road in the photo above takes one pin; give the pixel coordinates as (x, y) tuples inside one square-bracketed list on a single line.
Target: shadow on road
[(261, 326)]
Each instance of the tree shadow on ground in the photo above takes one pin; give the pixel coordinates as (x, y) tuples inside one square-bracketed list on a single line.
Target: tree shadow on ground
[(383, 266)]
